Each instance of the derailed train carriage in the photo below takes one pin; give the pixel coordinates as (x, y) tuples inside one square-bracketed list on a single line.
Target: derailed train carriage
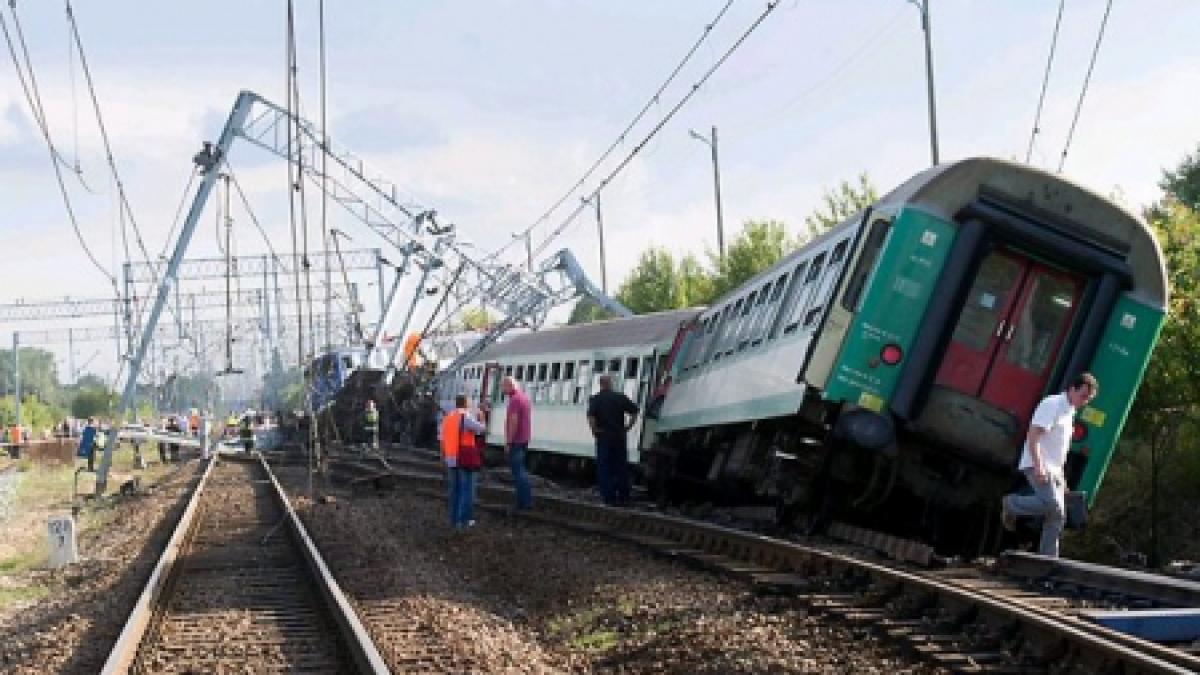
[(559, 370), (886, 373)]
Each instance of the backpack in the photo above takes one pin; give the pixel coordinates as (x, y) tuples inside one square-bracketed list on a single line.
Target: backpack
[(470, 457)]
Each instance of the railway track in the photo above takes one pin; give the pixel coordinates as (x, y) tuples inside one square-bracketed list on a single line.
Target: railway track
[(241, 587), (1022, 614)]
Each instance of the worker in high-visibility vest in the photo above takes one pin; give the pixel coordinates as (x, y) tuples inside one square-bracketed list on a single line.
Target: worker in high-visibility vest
[(410, 349), (371, 424), (463, 457)]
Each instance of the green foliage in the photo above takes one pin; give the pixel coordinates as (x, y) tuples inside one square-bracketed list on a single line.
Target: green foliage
[(759, 245), (587, 311), (93, 402), (653, 285), (1184, 182), (39, 373), (1152, 489), (839, 204), (35, 413), (476, 318)]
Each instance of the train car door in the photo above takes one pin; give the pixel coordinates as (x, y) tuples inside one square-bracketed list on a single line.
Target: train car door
[(1010, 331), (488, 385)]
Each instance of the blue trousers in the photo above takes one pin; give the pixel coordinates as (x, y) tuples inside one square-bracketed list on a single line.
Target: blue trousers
[(612, 470), (462, 497), (516, 462), (1047, 501)]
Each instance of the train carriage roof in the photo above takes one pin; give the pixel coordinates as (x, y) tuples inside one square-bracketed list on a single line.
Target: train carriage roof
[(645, 329), (946, 189)]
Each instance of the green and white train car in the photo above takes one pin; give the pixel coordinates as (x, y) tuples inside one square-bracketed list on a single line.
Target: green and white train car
[(559, 369), (886, 372)]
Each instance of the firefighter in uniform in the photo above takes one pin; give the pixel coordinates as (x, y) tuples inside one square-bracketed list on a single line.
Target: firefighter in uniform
[(371, 425)]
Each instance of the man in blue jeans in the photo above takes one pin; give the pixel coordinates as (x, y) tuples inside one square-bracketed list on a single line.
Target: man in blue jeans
[(1043, 461), (517, 431)]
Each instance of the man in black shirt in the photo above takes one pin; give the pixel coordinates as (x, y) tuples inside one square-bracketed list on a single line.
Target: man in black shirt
[(606, 416)]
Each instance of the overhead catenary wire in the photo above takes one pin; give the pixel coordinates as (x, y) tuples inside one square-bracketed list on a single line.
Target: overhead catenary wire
[(653, 101), (1086, 81), (541, 247), (55, 160), (1037, 117), (28, 80)]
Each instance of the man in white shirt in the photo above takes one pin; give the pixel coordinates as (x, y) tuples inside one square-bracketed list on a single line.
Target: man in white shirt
[(1043, 460)]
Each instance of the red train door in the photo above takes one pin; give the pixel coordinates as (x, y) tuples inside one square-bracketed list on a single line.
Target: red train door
[(1010, 331)]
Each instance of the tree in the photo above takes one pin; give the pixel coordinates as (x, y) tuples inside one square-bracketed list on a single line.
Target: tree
[(1184, 182), (695, 283), (841, 203), (39, 373), (93, 403), (476, 318), (759, 245), (653, 285), (587, 311)]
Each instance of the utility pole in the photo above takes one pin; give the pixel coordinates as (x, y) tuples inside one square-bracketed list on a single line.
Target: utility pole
[(923, 7), (17, 377), (712, 144), (600, 229), (71, 355)]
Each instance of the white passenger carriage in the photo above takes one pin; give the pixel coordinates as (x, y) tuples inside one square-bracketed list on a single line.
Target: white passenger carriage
[(559, 369)]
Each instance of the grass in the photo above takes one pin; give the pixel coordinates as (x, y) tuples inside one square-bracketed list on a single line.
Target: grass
[(597, 640), (21, 595), (46, 490)]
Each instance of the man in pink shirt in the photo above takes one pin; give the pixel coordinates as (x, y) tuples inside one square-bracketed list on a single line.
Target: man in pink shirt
[(517, 427)]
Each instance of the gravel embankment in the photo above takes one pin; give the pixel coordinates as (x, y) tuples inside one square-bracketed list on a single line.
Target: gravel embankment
[(72, 629), (515, 596)]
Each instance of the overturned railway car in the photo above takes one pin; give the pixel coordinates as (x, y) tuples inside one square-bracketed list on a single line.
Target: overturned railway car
[(886, 372)]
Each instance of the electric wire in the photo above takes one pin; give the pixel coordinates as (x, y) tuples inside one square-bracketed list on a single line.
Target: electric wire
[(55, 162), (324, 178), (1037, 117), (771, 5), (653, 101), (1086, 80), (250, 212), (33, 95)]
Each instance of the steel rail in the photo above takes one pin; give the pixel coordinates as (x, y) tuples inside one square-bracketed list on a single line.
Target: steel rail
[(354, 636), (778, 555)]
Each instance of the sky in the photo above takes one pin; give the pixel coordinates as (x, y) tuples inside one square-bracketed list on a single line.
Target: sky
[(490, 111)]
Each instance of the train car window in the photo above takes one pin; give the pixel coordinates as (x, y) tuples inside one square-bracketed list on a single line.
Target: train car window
[(801, 301), (866, 264), (520, 373), (556, 371), (598, 366), (729, 331), (631, 366), (811, 317), (695, 346), (839, 252), (541, 373), (793, 286), (769, 298), (581, 382), (347, 362), (508, 370), (757, 299), (569, 372), (614, 366)]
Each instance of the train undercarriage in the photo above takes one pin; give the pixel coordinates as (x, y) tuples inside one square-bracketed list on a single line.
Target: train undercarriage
[(815, 472)]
